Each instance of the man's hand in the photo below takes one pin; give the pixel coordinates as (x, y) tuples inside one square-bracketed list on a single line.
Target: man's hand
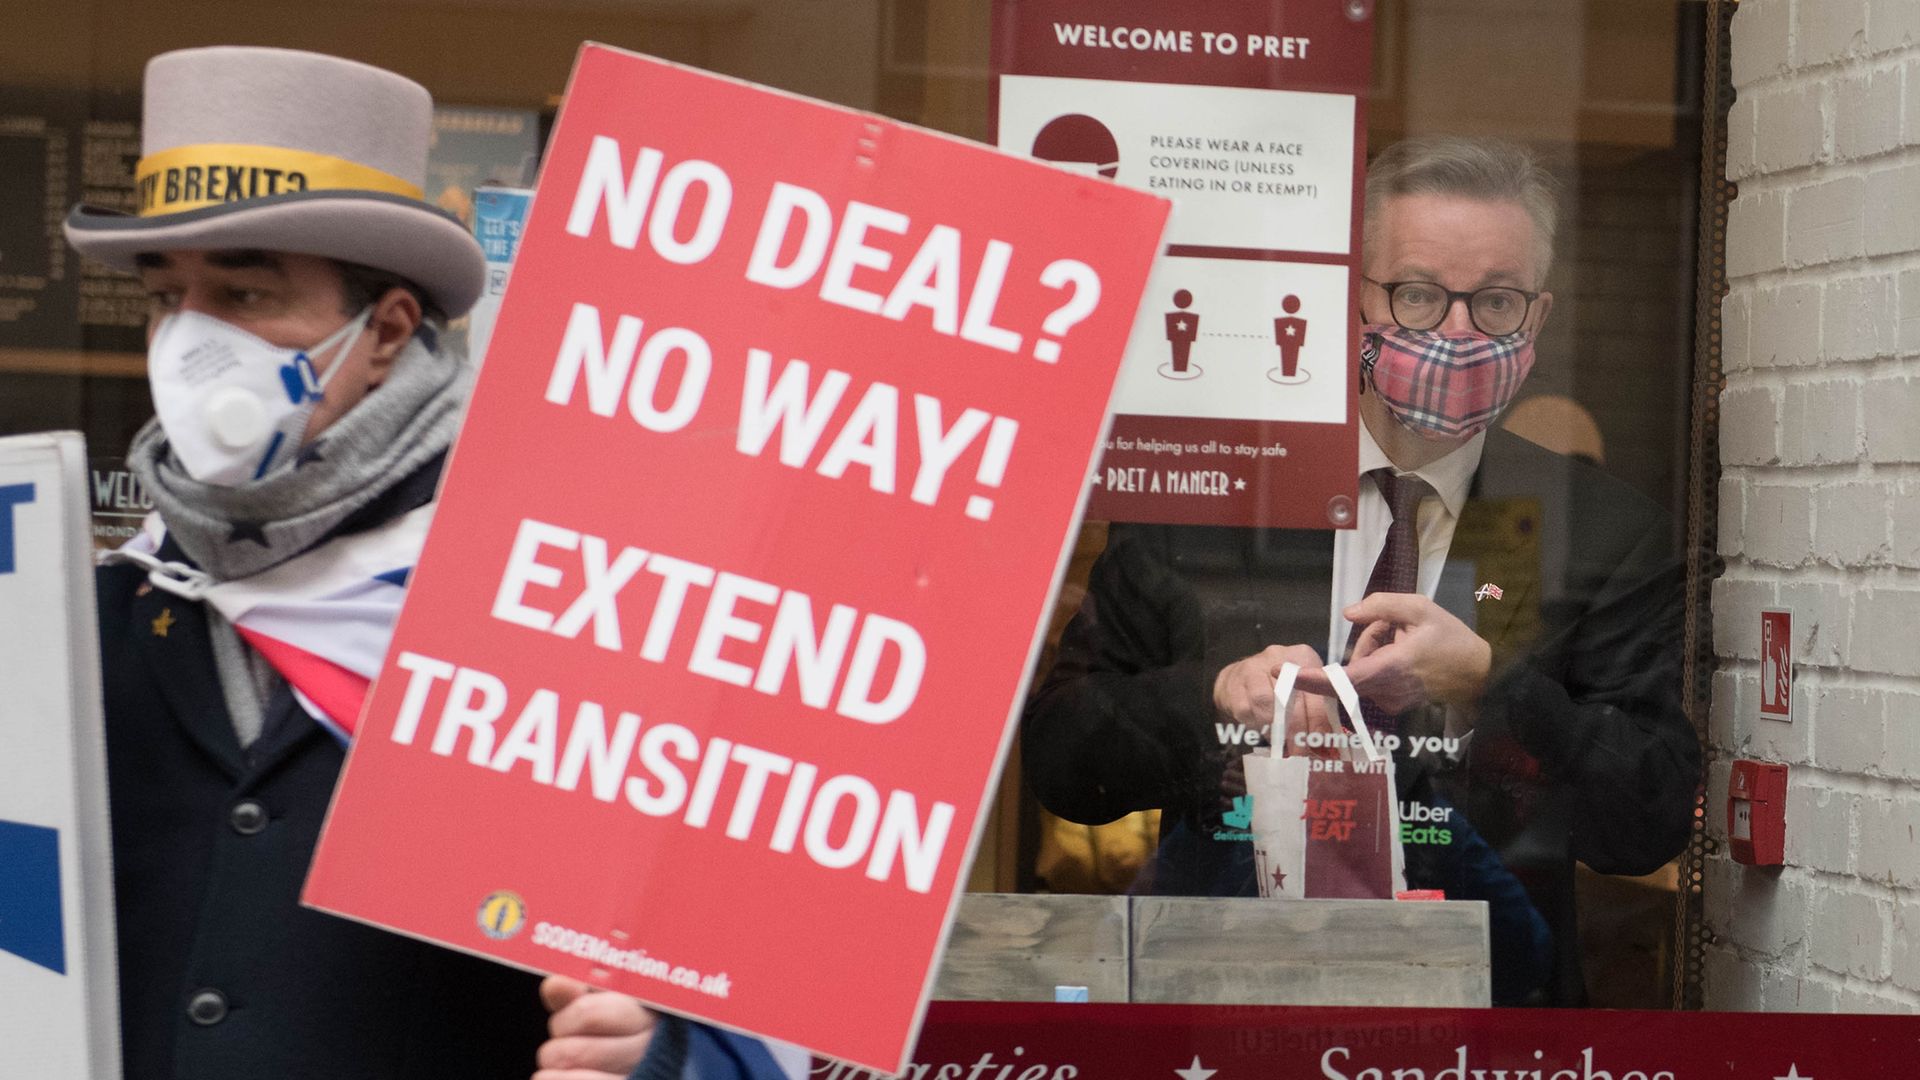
[(1413, 651), (595, 1036), (1243, 692)]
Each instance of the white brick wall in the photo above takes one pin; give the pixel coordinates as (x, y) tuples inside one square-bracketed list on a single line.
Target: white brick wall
[(1850, 522), (1902, 760), (1820, 504), (1826, 30)]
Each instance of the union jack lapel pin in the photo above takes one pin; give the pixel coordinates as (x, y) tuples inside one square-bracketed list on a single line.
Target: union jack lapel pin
[(1485, 591)]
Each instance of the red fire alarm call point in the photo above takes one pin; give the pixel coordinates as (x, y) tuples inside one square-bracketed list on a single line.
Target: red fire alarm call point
[(1757, 813)]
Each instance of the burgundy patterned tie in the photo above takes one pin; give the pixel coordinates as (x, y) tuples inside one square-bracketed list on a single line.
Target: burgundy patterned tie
[(1398, 569)]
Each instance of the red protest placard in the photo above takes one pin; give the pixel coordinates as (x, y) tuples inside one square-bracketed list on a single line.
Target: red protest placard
[(713, 651)]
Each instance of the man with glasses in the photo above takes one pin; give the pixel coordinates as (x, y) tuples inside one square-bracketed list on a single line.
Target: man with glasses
[(1541, 740)]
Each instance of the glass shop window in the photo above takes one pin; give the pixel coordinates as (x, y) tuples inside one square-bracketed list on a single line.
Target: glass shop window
[(1530, 710)]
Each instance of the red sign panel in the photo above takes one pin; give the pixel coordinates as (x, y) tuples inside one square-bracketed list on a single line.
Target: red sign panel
[(1192, 1042), (711, 656), (1235, 404), (1776, 665)]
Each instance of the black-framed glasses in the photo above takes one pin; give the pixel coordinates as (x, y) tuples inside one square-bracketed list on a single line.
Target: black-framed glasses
[(1497, 310)]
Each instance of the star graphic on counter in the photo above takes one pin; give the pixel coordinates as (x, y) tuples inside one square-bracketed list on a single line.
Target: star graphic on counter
[(1279, 879), (1793, 1073), (1239, 484), (1292, 330), (1195, 1071), (1096, 478), (1180, 325)]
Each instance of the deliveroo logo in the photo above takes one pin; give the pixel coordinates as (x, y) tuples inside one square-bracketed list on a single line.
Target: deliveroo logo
[(1237, 820)]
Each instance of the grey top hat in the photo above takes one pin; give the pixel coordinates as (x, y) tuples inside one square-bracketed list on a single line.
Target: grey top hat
[(287, 151)]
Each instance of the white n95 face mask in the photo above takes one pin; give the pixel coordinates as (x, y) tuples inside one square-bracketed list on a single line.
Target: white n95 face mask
[(234, 406)]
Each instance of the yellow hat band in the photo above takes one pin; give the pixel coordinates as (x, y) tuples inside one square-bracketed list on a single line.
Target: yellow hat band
[(211, 174)]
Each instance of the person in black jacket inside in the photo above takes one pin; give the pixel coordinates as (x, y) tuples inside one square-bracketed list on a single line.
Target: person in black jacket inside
[(1547, 698), (297, 283)]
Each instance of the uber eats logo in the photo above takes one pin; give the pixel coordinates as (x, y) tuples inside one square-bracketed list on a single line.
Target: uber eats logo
[(1423, 824), (11, 495)]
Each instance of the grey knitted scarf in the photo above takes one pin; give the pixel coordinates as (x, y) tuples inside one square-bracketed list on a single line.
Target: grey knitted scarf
[(235, 532)]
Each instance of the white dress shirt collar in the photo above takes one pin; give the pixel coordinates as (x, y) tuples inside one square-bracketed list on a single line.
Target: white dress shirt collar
[(1450, 476)]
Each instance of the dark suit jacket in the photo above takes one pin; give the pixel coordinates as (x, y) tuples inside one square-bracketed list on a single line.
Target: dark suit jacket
[(1580, 749), (207, 897)]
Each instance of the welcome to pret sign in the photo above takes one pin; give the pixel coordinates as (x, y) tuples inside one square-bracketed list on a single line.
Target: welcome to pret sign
[(1235, 404), (710, 659)]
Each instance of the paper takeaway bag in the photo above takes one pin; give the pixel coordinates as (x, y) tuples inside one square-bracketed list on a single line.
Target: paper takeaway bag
[(1324, 828)]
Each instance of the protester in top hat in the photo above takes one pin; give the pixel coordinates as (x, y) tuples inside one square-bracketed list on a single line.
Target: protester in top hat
[(297, 283)]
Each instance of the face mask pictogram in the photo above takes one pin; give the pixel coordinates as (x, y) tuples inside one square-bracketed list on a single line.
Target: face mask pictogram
[(234, 407)]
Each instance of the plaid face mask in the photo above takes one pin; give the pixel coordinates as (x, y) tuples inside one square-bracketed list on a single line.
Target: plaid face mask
[(1443, 386)]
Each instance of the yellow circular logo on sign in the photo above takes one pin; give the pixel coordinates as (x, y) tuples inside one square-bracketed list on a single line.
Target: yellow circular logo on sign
[(502, 915)]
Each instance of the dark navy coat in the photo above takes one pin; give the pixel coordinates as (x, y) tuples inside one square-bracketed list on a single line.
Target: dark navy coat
[(223, 975)]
